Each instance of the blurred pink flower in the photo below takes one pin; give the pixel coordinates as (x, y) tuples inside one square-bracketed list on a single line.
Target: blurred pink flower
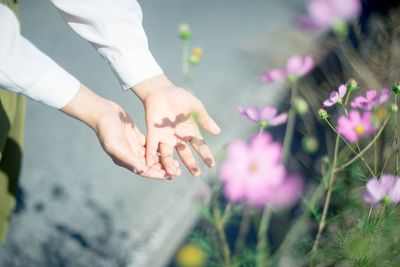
[(371, 100), (324, 14), (287, 193), (387, 189), (355, 126), (336, 96), (253, 173), (297, 66), (267, 116)]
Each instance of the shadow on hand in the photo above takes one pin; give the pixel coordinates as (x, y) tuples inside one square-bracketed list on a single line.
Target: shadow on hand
[(166, 122)]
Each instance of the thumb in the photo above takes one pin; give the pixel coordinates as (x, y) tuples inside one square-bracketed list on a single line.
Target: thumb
[(207, 123)]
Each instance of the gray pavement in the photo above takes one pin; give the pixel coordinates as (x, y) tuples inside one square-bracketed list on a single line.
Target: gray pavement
[(80, 209)]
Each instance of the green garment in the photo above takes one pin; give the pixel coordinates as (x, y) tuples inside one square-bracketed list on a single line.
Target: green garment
[(12, 118)]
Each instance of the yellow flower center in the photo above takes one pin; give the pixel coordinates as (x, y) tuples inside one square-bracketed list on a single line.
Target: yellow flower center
[(253, 167), (190, 255), (197, 52), (359, 129)]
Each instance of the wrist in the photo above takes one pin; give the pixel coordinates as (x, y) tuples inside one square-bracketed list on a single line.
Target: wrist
[(151, 85), (88, 107)]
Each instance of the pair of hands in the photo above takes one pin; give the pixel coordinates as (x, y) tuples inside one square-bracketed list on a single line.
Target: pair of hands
[(172, 118)]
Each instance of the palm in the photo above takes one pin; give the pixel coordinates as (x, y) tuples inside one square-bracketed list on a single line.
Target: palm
[(172, 115), (122, 140)]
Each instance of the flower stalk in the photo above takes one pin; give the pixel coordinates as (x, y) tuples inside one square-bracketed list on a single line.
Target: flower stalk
[(262, 244)]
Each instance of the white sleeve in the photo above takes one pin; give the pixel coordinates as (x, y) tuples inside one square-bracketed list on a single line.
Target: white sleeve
[(25, 69), (114, 28)]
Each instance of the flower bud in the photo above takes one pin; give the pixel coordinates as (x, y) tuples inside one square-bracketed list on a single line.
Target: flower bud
[(195, 57), (185, 32), (340, 28), (394, 108), (396, 88), (351, 85), (310, 144), (323, 114), (300, 106)]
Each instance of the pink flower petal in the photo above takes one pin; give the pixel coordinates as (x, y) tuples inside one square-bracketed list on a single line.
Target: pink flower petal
[(307, 66), (268, 113), (328, 103), (322, 13), (342, 90), (371, 95), (234, 191), (294, 64), (385, 94), (274, 75), (387, 182), (394, 194), (280, 119), (287, 193), (252, 114), (375, 190), (346, 9), (368, 198)]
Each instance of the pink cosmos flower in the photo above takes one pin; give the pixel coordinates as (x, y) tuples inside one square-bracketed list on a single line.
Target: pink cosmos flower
[(297, 66), (355, 126), (253, 173), (371, 100), (266, 116), (387, 189), (336, 96), (287, 193), (324, 14)]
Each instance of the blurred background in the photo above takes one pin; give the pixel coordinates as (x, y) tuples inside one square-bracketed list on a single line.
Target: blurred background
[(75, 207)]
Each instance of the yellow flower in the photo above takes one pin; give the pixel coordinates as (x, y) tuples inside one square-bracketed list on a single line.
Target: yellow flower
[(197, 52), (195, 56), (190, 255)]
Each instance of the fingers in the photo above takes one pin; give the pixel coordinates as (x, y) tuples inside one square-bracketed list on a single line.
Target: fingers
[(151, 150), (207, 123), (156, 172), (185, 154), (167, 160), (203, 150), (124, 157)]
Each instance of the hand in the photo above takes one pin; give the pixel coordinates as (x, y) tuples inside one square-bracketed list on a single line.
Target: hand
[(117, 133), (172, 115)]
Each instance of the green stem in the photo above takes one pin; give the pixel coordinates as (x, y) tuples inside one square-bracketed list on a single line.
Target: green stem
[(379, 214), (262, 244), (363, 159), (227, 213), (221, 235), (243, 231), (185, 62), (291, 123), (331, 184), (396, 131)]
